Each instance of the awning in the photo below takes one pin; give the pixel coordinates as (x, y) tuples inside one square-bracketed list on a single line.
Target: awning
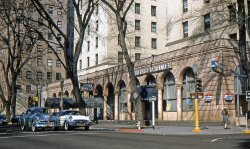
[(94, 102), (71, 102), (55, 103)]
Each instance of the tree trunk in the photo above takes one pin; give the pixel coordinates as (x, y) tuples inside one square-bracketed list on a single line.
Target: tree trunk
[(77, 93)]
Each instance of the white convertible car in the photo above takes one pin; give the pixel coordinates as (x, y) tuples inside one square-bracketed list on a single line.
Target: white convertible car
[(70, 119)]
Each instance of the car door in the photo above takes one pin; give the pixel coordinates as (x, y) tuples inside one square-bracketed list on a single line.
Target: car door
[(62, 118)]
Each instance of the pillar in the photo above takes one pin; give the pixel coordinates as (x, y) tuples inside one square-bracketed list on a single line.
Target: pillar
[(116, 105), (179, 100), (129, 105), (105, 107), (160, 101)]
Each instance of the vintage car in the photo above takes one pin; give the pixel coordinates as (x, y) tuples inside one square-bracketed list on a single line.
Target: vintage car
[(73, 119), (38, 117)]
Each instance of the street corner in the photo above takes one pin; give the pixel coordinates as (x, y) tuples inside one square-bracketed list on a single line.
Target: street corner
[(131, 130)]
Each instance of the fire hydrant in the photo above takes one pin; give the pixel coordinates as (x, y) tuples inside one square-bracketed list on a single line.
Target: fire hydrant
[(138, 125)]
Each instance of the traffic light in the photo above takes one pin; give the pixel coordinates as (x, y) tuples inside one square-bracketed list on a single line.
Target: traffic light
[(199, 85)]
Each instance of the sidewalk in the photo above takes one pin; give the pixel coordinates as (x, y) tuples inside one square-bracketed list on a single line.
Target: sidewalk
[(171, 130)]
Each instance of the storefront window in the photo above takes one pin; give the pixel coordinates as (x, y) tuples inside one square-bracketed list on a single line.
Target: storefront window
[(169, 94), (188, 88)]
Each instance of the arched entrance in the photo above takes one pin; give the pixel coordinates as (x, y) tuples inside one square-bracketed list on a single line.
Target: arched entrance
[(98, 111), (169, 93), (151, 91), (110, 102), (122, 100)]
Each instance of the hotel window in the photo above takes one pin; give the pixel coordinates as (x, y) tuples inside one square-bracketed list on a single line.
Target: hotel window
[(59, 24), (120, 57), (137, 24), (58, 50), (207, 23), (50, 9), (185, 29), (39, 50), (49, 75), (88, 29), (58, 37), (59, 10), (28, 88), (50, 49), (137, 41), (96, 42), (40, 22), (88, 45), (28, 75), (96, 59), (97, 26), (97, 9), (137, 8), (153, 27), (119, 42), (39, 61), (50, 36), (153, 10), (154, 43), (185, 5), (50, 62), (58, 76), (232, 13), (206, 1), (80, 64), (39, 75), (20, 74), (137, 56), (87, 61), (58, 63)]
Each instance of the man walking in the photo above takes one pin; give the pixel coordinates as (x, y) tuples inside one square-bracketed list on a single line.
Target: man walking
[(225, 116)]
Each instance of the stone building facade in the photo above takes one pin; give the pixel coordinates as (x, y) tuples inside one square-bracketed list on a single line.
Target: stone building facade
[(171, 74)]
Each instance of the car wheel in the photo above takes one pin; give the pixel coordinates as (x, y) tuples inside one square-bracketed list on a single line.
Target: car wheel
[(86, 127), (66, 126), (53, 127), (23, 127), (33, 127)]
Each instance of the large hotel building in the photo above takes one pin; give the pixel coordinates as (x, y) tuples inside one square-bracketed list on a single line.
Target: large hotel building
[(166, 40)]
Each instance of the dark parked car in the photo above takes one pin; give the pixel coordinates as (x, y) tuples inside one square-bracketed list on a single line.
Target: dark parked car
[(16, 120), (38, 117), (3, 120)]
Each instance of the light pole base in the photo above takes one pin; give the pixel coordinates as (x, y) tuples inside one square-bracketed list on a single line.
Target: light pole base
[(197, 130)]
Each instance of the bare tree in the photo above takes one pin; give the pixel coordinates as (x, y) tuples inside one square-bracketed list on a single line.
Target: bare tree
[(17, 42), (82, 11), (120, 9)]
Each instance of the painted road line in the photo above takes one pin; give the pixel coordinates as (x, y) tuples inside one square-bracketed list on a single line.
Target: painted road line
[(216, 139)]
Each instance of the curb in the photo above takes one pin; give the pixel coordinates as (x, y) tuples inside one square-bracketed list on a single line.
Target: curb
[(131, 130)]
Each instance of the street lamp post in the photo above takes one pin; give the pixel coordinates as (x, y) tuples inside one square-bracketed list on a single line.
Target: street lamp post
[(197, 127), (61, 101)]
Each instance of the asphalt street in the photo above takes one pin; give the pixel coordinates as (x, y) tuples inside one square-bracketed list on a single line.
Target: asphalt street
[(113, 139)]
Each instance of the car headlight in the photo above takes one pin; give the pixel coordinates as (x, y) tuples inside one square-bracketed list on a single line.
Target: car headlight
[(70, 118), (37, 118)]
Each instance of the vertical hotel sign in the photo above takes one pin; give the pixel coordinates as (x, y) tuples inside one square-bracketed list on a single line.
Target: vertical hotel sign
[(152, 69)]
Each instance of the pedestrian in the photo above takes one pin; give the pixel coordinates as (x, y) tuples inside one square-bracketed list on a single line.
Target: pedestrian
[(225, 116)]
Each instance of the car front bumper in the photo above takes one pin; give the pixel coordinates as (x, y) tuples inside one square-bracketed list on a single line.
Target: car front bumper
[(46, 124)]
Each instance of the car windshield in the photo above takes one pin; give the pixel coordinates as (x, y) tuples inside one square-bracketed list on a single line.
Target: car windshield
[(44, 111), (71, 113)]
